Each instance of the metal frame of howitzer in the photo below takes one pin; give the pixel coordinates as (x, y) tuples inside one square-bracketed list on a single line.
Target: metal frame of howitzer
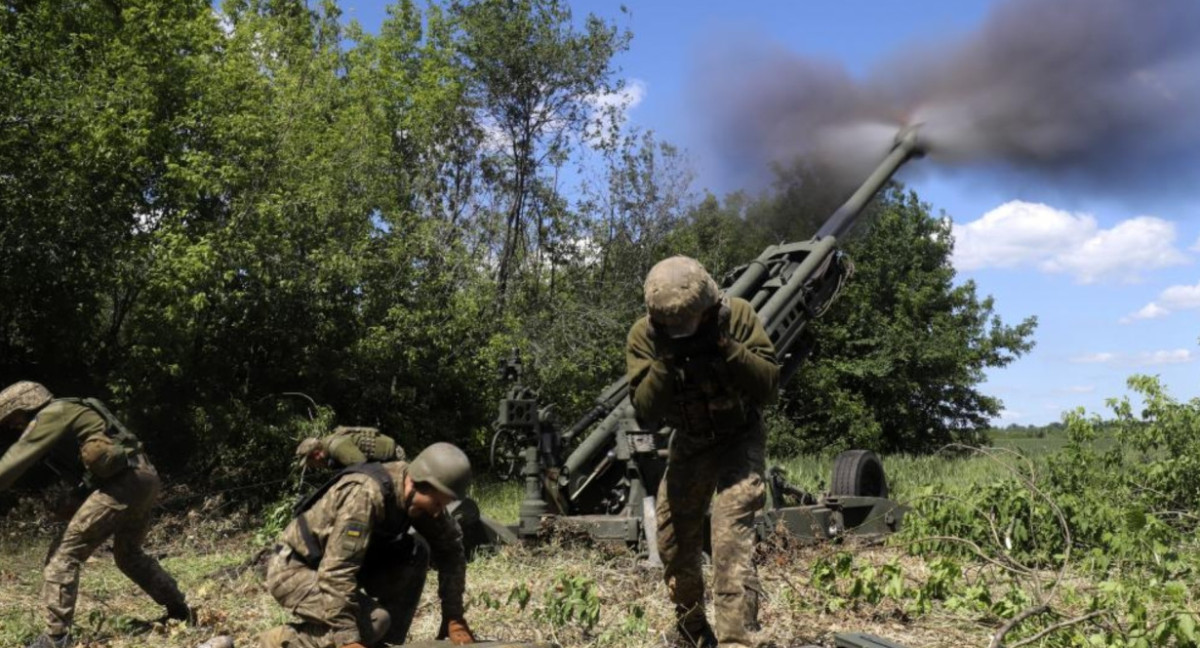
[(606, 485)]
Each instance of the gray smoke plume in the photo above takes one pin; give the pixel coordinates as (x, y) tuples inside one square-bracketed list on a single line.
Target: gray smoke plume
[(1096, 93)]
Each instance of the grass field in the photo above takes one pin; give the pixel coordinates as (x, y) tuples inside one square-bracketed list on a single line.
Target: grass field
[(565, 592), (905, 473)]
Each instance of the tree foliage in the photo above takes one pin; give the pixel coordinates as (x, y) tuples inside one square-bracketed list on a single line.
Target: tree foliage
[(204, 210)]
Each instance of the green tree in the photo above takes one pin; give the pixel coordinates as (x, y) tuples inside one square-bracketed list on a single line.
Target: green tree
[(896, 363), (535, 77), (95, 111)]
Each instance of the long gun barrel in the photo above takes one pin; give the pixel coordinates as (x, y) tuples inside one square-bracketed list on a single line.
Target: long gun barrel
[(906, 147)]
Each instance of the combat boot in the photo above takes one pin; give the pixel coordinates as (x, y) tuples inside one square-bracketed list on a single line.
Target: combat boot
[(180, 612), (694, 635), (46, 641)]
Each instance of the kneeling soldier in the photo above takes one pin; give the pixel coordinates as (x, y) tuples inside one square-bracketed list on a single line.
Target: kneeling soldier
[(82, 441), (348, 567), (348, 446)]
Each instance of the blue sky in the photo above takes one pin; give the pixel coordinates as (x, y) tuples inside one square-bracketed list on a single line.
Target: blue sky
[(1113, 279)]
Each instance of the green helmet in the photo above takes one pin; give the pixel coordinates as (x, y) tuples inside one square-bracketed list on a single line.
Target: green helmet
[(443, 466), (678, 291), (24, 396)]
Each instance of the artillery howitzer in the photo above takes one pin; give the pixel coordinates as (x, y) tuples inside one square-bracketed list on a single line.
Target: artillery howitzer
[(606, 485)]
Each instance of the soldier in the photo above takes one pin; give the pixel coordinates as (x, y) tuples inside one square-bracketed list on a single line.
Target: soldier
[(348, 567), (84, 443), (348, 446), (702, 363)]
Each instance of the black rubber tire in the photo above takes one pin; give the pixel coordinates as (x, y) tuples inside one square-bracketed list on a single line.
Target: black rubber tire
[(858, 473)]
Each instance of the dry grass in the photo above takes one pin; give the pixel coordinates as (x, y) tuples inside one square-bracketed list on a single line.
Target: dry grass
[(216, 568)]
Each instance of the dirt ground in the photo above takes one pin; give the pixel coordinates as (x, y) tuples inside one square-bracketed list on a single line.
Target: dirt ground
[(543, 593)]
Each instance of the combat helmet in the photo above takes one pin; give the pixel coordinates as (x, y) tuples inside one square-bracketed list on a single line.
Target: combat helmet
[(443, 466), (307, 447), (24, 396), (678, 292)]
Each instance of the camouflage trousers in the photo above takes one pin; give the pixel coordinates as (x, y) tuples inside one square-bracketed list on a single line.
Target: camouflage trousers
[(730, 465), (119, 509), (390, 583)]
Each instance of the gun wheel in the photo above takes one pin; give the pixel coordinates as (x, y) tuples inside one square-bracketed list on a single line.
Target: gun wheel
[(858, 473), (505, 455)]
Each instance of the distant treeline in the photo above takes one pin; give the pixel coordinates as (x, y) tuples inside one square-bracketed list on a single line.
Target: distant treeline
[(1017, 431), (202, 211)]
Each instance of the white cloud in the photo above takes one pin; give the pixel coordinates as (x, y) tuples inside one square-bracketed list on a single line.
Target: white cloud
[(495, 138), (1016, 233), (1154, 358), (612, 109), (1094, 358), (1142, 359), (1175, 298), (1181, 297), (1020, 233), (1149, 311), (1080, 389), (627, 97), (1195, 246), (1140, 243)]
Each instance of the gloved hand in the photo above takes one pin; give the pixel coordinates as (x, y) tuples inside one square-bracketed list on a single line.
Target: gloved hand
[(709, 340), (457, 631), (354, 645), (714, 328)]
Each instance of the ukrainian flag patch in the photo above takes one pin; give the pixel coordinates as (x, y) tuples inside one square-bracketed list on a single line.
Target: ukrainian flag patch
[(354, 538)]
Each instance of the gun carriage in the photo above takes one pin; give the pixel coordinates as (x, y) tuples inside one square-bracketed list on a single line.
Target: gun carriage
[(605, 486)]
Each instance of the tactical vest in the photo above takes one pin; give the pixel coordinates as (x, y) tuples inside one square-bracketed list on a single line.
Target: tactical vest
[(391, 525), (125, 449), (707, 402), (374, 445)]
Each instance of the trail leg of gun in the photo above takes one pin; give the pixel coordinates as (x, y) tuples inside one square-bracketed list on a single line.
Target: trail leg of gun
[(650, 525)]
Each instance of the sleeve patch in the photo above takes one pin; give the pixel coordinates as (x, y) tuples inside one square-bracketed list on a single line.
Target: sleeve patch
[(354, 537)]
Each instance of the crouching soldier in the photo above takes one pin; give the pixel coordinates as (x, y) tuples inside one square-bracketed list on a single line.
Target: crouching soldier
[(83, 442), (348, 567), (348, 446)]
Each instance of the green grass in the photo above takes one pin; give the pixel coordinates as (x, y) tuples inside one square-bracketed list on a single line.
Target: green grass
[(907, 474), (213, 566), (497, 499)]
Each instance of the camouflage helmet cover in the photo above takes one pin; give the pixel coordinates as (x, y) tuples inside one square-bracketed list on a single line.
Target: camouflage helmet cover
[(678, 292), (443, 466), (308, 446), (24, 396)]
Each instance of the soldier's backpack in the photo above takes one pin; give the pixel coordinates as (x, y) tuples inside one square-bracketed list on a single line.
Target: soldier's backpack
[(106, 456)]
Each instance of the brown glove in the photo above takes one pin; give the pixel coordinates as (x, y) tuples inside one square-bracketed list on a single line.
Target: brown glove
[(457, 631), (353, 645)]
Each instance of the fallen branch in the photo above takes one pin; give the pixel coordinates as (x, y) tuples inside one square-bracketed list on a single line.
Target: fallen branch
[(998, 639), (1056, 627)]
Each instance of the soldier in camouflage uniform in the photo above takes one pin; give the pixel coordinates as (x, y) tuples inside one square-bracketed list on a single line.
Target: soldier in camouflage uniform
[(84, 443), (701, 363), (350, 570), (348, 446)]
